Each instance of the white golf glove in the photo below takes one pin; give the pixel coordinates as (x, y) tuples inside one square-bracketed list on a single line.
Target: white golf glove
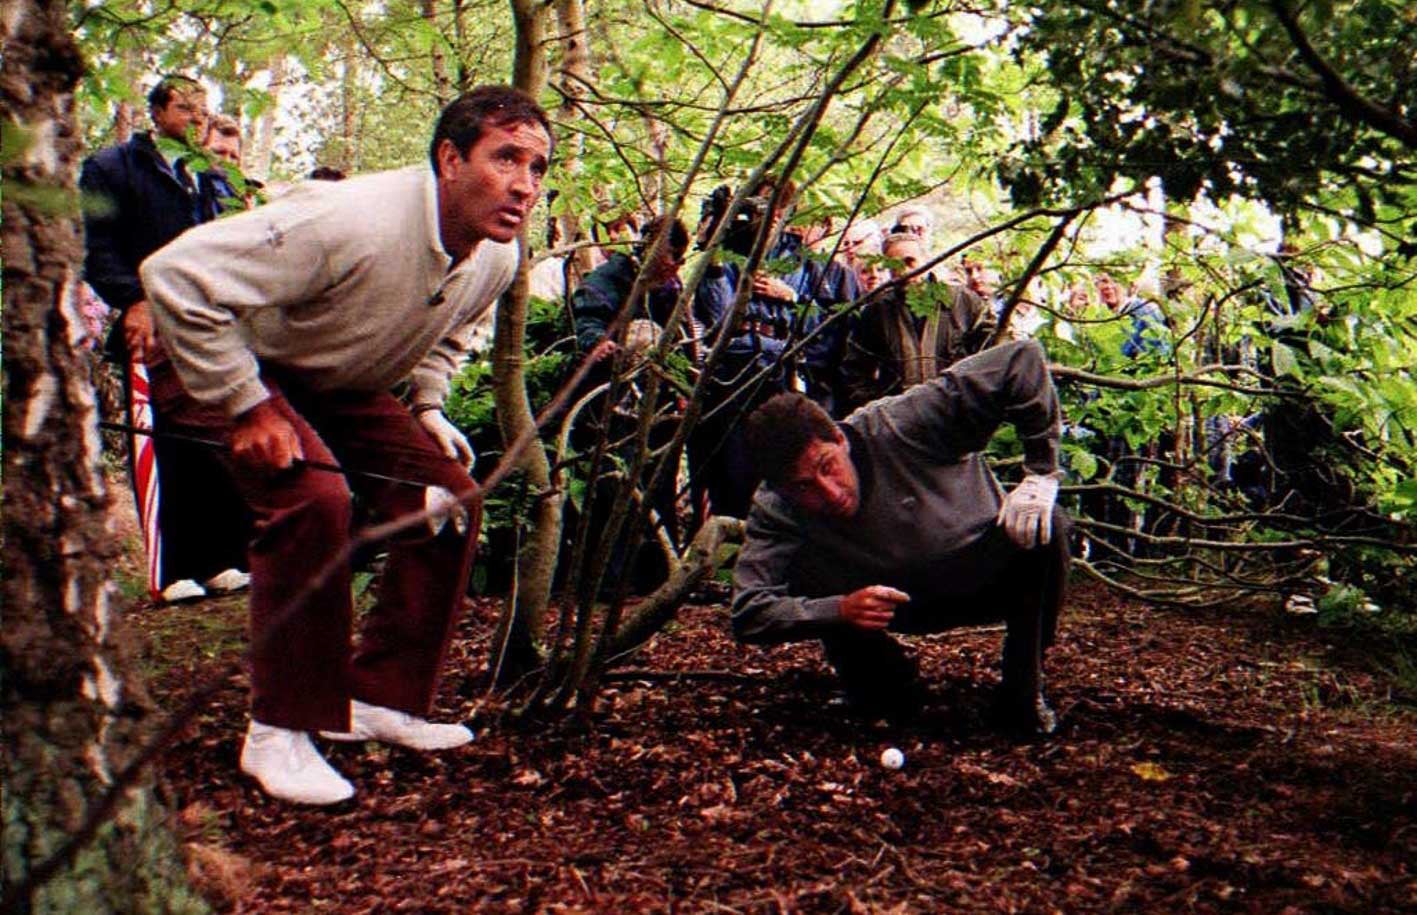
[(453, 443), (445, 506), (1027, 513)]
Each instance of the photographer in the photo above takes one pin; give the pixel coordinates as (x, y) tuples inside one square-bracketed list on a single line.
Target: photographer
[(780, 311)]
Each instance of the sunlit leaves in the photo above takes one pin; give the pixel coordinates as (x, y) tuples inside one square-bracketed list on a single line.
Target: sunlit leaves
[(1220, 99)]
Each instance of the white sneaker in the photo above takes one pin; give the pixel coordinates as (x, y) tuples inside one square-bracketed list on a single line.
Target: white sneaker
[(230, 580), (373, 722), (289, 767), (184, 589)]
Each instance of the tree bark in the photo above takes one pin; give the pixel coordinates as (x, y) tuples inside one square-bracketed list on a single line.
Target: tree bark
[(74, 710), (574, 74), (442, 84), (123, 120), (349, 84), (523, 623), (258, 161), (701, 560)]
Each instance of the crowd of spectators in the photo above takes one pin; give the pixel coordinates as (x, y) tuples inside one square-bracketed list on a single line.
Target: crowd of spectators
[(849, 315)]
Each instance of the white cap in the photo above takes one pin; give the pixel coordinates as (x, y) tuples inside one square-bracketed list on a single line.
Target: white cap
[(916, 210), (860, 230)]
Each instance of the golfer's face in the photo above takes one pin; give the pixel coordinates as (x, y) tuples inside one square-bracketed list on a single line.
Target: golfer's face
[(823, 481), (490, 192)]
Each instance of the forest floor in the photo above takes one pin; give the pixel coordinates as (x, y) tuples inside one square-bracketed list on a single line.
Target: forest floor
[(1212, 762)]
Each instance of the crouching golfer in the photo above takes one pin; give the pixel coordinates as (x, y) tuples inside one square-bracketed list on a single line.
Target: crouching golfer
[(288, 325), (892, 522)]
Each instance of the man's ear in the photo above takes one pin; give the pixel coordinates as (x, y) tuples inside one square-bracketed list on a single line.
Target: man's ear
[(448, 156)]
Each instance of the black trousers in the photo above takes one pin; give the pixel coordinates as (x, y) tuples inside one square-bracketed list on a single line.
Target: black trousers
[(1024, 589), (203, 524)]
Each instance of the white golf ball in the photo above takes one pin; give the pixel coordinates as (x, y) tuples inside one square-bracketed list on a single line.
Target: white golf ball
[(892, 758)]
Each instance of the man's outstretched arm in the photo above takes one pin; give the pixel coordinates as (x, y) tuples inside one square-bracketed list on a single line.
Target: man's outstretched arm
[(957, 413), (764, 611)]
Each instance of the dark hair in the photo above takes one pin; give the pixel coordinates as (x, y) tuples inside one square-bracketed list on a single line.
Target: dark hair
[(326, 173), (780, 430), (461, 122), (769, 183), (169, 86), (678, 236)]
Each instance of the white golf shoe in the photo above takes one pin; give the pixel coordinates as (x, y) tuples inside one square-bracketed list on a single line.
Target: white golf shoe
[(228, 581), (374, 722), (289, 767), (183, 589)]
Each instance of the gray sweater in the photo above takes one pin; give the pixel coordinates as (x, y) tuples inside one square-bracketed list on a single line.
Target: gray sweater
[(926, 498), (345, 285)]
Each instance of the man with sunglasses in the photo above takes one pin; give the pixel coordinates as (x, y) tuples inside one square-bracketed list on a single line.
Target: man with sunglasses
[(891, 521)]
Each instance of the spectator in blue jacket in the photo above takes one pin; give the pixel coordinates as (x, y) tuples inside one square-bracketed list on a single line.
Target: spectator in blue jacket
[(145, 197), (601, 299), (605, 290), (1148, 322)]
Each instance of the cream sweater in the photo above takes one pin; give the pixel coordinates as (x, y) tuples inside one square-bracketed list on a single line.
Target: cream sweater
[(344, 284)]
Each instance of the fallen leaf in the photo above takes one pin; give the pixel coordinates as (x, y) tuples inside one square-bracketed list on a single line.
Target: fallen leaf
[(1150, 772)]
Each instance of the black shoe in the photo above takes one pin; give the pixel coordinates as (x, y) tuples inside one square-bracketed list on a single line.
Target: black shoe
[(901, 706), (1024, 715)]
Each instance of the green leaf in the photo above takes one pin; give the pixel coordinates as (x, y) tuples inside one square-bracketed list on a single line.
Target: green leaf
[(1082, 462)]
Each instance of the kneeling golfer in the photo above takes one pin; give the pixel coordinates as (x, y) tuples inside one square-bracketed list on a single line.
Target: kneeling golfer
[(891, 522)]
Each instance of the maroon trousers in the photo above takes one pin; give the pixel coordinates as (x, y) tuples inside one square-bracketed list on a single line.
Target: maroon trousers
[(302, 672)]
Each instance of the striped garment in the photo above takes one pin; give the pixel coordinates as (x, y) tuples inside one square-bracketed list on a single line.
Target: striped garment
[(145, 481)]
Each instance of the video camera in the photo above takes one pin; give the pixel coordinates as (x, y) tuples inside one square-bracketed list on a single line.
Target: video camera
[(746, 224)]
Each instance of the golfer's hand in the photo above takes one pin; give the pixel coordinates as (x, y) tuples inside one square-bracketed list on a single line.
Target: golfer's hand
[(872, 607), (449, 438), (263, 439), (139, 333), (1027, 513)]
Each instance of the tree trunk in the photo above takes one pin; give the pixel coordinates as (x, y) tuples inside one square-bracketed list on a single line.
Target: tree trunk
[(258, 161), (74, 712), (524, 623), (700, 561), (442, 85), (123, 120), (529, 56), (574, 73), (349, 84)]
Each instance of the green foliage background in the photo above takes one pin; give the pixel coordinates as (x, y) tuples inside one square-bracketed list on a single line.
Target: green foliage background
[(1209, 115)]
